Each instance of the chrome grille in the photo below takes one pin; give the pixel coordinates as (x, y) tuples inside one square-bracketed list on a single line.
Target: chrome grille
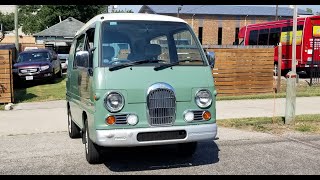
[(29, 70), (121, 118), (198, 115), (161, 104)]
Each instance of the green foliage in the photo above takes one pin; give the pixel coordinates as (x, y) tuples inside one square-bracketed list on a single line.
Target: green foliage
[(122, 11), (309, 10), (303, 123), (35, 18), (7, 20), (1, 107)]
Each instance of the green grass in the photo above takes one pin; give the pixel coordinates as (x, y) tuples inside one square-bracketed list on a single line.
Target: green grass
[(302, 123), (303, 90), (41, 92)]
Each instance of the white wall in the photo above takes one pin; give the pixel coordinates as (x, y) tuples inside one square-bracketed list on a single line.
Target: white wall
[(6, 8)]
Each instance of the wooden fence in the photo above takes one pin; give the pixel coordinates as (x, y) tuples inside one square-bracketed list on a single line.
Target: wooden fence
[(6, 80), (243, 71), (23, 46)]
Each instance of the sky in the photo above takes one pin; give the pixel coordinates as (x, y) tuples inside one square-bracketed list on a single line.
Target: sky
[(136, 8)]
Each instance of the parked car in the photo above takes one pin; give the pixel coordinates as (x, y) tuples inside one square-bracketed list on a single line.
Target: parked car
[(63, 54), (37, 64)]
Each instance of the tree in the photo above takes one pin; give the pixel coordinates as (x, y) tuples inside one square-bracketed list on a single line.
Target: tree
[(7, 20), (122, 11), (309, 10), (35, 18)]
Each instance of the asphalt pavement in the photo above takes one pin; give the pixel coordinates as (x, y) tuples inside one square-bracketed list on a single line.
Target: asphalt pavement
[(34, 140)]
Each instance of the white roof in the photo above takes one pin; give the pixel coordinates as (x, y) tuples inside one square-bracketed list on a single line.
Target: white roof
[(130, 16)]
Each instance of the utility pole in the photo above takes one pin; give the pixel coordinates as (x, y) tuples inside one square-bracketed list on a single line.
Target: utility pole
[(277, 12), (292, 76), (16, 27), (179, 9), (107, 9)]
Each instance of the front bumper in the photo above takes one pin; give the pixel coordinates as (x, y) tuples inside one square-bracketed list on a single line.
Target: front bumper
[(128, 137), (35, 76), (64, 65)]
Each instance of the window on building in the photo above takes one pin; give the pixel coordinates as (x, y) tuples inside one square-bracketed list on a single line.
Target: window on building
[(274, 36), (200, 31), (236, 39), (299, 27), (253, 37), (263, 36), (219, 35)]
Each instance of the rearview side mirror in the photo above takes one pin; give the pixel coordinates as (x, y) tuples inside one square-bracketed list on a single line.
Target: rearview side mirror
[(82, 58), (211, 59)]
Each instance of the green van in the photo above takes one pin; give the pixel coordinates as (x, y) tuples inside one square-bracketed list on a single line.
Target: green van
[(126, 89)]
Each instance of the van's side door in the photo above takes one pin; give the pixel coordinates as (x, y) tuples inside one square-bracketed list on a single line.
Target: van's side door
[(75, 104), (86, 76)]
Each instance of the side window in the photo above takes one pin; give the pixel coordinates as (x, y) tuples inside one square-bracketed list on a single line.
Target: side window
[(287, 29), (253, 37), (80, 46), (72, 53), (185, 50), (274, 36), (299, 27), (89, 44), (263, 36)]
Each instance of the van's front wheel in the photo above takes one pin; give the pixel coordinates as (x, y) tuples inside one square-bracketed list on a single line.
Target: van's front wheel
[(73, 129), (93, 155)]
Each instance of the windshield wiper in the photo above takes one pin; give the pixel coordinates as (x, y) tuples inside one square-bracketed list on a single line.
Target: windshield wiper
[(124, 65), (163, 66)]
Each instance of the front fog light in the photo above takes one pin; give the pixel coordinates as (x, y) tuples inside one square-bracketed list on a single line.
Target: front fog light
[(132, 119), (189, 116)]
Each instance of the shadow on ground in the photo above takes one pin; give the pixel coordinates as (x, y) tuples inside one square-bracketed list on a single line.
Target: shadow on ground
[(158, 157)]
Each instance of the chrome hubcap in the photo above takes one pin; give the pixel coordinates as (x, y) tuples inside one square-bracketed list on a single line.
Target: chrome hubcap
[(69, 123), (86, 144)]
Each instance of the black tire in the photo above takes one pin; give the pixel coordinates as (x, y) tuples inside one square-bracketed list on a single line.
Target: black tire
[(73, 129), (187, 149), (92, 150), (59, 75)]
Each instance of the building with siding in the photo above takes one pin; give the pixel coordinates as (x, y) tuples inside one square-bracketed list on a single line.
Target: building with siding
[(220, 24), (59, 34)]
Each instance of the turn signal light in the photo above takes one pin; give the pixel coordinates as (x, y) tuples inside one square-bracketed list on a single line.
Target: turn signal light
[(206, 115), (111, 120)]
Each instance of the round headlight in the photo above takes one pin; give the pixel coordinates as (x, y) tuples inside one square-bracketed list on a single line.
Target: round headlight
[(114, 102), (203, 98)]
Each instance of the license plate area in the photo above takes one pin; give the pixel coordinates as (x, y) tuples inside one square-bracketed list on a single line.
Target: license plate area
[(28, 78)]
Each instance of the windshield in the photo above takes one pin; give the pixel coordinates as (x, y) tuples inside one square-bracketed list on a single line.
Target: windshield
[(155, 42), (34, 56)]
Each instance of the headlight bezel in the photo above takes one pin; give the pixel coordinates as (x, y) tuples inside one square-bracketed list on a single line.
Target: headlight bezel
[(45, 67), (108, 107), (197, 99)]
